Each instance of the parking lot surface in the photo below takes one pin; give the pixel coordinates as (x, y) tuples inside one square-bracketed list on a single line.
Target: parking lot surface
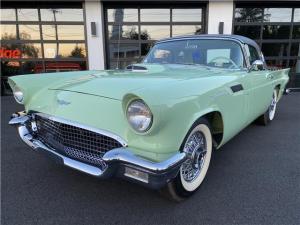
[(253, 179)]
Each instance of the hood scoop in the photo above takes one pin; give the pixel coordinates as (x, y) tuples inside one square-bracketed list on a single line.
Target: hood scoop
[(135, 68)]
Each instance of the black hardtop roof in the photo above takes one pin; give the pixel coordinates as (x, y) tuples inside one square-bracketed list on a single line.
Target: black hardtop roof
[(239, 38)]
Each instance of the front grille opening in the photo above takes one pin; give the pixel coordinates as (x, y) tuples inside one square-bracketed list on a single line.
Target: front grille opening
[(75, 142)]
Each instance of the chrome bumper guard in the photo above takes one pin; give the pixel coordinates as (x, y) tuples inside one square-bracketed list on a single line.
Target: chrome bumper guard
[(120, 162)]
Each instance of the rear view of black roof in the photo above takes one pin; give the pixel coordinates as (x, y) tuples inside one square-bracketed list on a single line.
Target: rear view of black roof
[(239, 38)]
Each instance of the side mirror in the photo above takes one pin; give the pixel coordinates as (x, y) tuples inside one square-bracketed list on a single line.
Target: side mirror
[(256, 65)]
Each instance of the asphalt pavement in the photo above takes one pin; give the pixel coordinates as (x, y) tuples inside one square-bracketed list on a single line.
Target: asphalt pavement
[(253, 179)]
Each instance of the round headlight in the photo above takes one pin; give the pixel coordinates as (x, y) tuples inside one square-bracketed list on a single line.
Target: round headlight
[(139, 116), (18, 94)]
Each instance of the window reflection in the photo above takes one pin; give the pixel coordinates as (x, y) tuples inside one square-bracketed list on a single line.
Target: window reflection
[(155, 32), (29, 32), (145, 48), (276, 63), (187, 15), (297, 15), (252, 32), (155, 15), (8, 14), (48, 32), (295, 49), (278, 15), (248, 15), (70, 32), (8, 32), (123, 32), (296, 31), (62, 15), (186, 30), (61, 66), (124, 51), (28, 15), (28, 50), (275, 49), (276, 31), (122, 15), (67, 50)]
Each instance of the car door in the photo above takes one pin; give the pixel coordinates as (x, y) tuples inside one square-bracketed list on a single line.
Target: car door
[(261, 90)]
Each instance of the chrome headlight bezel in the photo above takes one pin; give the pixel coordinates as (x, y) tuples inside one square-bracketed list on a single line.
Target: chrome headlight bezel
[(139, 116), (18, 95)]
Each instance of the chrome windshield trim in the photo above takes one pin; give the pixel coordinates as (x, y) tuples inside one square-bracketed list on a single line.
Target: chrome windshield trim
[(82, 126)]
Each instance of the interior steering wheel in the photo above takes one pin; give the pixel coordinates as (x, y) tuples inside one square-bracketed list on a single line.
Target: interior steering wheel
[(224, 58)]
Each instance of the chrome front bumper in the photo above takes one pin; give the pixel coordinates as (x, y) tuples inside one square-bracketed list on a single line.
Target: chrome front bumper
[(121, 162)]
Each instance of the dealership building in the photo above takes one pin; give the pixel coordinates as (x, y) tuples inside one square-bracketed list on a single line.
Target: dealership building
[(52, 36)]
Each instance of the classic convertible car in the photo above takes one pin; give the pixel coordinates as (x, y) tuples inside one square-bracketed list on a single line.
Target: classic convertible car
[(154, 123)]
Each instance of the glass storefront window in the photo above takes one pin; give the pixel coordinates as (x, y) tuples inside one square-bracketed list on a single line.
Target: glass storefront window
[(278, 15), (122, 15), (297, 15), (178, 30), (28, 14), (72, 50), (295, 49), (8, 14), (29, 32), (27, 50), (155, 32), (124, 51), (276, 31), (123, 32), (63, 66), (62, 15), (187, 15), (8, 32), (70, 32), (296, 32), (248, 15), (155, 15), (275, 49), (252, 32), (48, 32)]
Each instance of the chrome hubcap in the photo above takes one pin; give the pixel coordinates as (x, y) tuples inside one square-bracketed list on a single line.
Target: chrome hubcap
[(272, 107), (196, 149)]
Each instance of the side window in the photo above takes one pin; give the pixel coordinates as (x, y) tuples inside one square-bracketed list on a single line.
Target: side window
[(253, 54)]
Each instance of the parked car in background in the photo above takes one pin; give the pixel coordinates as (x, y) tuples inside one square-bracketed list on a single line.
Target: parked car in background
[(155, 123)]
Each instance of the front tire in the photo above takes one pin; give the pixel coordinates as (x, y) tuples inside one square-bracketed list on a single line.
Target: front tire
[(198, 147), (269, 115)]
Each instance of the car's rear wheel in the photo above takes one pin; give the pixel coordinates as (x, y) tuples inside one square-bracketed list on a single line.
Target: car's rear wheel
[(269, 115), (198, 146)]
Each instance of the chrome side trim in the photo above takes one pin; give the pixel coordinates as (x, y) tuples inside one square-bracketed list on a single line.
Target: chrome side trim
[(93, 129)]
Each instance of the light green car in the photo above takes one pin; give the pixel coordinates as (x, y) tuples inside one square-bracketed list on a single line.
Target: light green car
[(154, 123)]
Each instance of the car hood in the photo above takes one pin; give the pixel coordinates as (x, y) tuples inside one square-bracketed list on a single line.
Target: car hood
[(115, 84)]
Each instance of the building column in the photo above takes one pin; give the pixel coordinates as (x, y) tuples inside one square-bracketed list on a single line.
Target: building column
[(220, 11), (95, 43)]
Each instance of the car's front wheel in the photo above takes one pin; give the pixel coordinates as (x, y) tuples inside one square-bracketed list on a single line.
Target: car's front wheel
[(198, 147)]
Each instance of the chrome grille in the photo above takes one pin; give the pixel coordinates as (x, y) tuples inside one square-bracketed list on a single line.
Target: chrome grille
[(75, 142)]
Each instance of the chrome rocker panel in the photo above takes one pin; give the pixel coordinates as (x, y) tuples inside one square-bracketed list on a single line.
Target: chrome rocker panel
[(117, 160)]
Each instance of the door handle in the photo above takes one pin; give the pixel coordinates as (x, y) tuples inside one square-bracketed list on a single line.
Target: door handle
[(270, 76)]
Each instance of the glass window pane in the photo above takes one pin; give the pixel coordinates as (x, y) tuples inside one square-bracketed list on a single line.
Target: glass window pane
[(50, 50), (125, 32), (60, 66), (297, 15), (61, 14), (122, 15), (8, 14), (187, 15), (275, 49), (296, 31), (295, 49), (28, 50), (48, 32), (295, 66), (155, 15), (124, 51), (252, 32), (72, 50), (178, 30), (154, 32), (8, 32), (248, 15), (70, 32), (278, 15), (276, 31), (276, 63), (28, 15), (29, 32), (121, 64)]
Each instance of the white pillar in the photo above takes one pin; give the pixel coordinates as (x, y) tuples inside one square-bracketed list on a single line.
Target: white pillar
[(95, 44), (220, 11)]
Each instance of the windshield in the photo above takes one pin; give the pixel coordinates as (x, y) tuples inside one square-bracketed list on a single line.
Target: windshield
[(215, 53)]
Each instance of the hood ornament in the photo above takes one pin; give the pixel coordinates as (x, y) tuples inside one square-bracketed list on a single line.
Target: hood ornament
[(63, 102)]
